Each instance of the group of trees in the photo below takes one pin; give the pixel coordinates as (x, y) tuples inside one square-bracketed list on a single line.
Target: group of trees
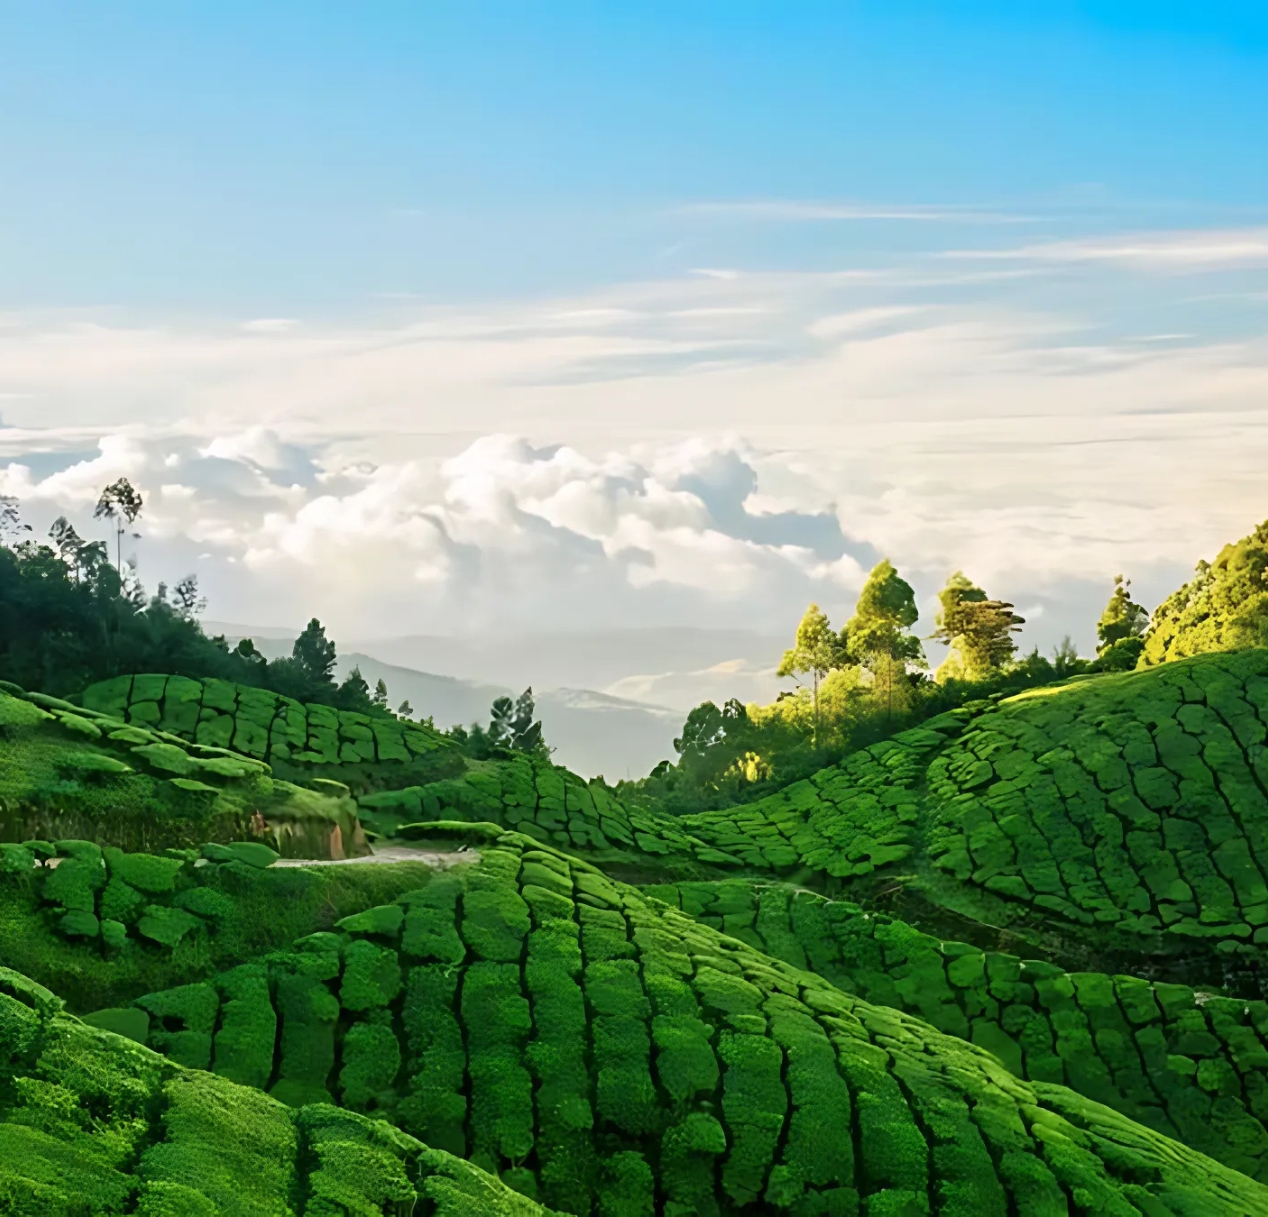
[(70, 617), (512, 727), (876, 646), (868, 679)]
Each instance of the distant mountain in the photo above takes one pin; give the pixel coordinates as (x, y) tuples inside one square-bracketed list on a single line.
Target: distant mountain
[(677, 667), (592, 732)]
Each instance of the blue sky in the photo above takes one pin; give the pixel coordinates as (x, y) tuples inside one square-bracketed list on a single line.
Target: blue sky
[(204, 156), (448, 311)]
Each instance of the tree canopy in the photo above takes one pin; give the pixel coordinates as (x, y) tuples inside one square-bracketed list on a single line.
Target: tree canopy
[(815, 653), (1224, 607), (1119, 631), (978, 630)]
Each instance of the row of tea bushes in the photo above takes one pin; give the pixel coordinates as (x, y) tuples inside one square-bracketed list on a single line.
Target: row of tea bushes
[(845, 821), (608, 1054), (91, 1123), (1132, 802), (108, 896), (259, 723), (545, 802), (71, 771), (1186, 1063)]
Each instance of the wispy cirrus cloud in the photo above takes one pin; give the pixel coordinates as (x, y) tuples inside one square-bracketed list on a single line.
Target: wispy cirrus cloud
[(794, 210), (1177, 251)]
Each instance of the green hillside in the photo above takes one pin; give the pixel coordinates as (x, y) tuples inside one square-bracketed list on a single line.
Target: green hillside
[(74, 772), (91, 1123), (747, 1032), (608, 1054), (1125, 812), (1223, 607), (297, 740), (1186, 1063)]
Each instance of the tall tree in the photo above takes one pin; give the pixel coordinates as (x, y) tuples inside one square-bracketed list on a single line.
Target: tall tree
[(121, 504), (879, 635), (511, 724), (11, 526), (816, 652), (315, 655), (354, 693), (380, 694), (186, 598), (80, 557), (978, 630), (1120, 631)]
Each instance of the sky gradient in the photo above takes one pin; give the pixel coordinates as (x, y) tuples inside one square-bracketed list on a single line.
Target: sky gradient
[(430, 319)]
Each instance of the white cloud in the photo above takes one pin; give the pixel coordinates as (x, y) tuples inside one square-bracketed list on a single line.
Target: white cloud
[(1179, 251), (502, 535), (793, 210), (577, 460)]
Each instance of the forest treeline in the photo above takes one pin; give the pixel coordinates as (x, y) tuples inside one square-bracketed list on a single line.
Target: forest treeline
[(71, 616), (72, 613)]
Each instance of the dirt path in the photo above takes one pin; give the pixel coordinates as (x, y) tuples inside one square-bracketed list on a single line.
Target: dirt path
[(391, 853)]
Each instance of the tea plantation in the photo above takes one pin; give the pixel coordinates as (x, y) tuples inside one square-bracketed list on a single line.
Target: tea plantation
[(74, 772), (91, 1122), (296, 739), (603, 1052), (1006, 962)]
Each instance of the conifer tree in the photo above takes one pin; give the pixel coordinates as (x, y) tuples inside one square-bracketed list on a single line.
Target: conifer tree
[(314, 654), (978, 630)]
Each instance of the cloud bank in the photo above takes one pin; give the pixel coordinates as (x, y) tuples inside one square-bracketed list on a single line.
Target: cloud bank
[(693, 449)]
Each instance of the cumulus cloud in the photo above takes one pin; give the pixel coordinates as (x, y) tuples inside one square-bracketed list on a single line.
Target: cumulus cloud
[(575, 461), (504, 534)]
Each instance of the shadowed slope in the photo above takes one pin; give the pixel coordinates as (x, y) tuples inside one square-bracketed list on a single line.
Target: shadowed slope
[(91, 1123)]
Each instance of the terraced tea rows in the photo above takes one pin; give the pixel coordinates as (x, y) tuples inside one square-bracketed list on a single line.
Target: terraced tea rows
[(1190, 1065), (1135, 802), (544, 802), (612, 1055), (93, 1124), (846, 821), (71, 772), (261, 724)]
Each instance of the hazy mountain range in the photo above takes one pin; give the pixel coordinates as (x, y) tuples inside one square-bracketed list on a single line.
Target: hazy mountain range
[(611, 702)]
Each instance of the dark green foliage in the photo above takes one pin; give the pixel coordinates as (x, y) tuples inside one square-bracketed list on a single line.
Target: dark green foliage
[(371, 976), (309, 1012), (248, 1026), (371, 1057), (245, 912), (181, 1023), (436, 1108)]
